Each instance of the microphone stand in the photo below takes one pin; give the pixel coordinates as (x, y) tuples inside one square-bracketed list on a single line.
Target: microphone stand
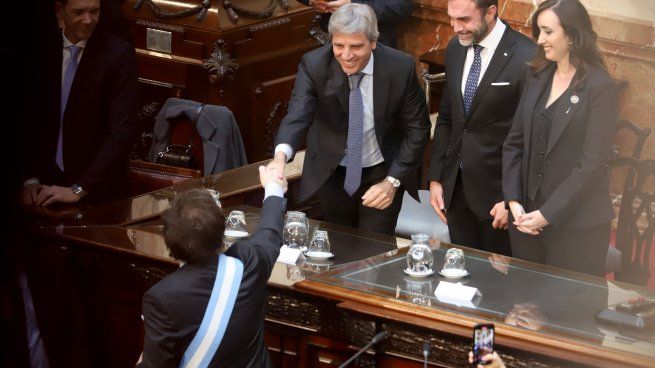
[(377, 338)]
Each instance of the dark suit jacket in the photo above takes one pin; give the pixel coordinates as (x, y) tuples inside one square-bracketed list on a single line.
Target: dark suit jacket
[(575, 183), (389, 13), (319, 110), (477, 140), (100, 118), (174, 307)]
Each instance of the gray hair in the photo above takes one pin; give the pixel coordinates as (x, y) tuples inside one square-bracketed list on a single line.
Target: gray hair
[(355, 18)]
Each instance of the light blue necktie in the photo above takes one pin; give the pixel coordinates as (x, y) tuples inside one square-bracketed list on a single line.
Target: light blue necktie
[(69, 75), (355, 135), (472, 79)]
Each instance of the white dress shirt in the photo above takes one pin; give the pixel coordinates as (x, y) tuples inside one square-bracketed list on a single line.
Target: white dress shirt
[(489, 44), (66, 54)]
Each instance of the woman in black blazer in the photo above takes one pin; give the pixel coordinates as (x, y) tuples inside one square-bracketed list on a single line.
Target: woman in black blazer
[(554, 174)]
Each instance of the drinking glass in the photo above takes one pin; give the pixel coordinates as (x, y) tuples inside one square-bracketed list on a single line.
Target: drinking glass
[(454, 260), (216, 195), (235, 224), (419, 255), (296, 230), (320, 243), (419, 292)]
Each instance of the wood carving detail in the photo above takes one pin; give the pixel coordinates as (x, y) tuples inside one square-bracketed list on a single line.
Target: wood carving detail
[(318, 33), (220, 66), (234, 11), (199, 10), (271, 126)]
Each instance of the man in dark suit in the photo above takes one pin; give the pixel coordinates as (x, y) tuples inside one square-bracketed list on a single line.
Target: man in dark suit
[(389, 14), (485, 65), (173, 309), (364, 144), (85, 119)]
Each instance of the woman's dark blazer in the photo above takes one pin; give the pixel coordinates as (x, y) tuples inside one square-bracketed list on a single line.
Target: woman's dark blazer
[(575, 183)]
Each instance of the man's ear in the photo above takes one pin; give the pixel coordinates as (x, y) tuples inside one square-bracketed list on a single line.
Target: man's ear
[(374, 44), (59, 8), (491, 14)]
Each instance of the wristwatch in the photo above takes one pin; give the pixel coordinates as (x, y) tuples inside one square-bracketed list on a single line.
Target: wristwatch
[(395, 182), (77, 189)]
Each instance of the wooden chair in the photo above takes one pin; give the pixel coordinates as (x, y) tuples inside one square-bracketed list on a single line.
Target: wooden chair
[(146, 177), (636, 221)]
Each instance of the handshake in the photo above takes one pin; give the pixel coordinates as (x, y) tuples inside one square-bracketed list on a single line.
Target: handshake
[(274, 172)]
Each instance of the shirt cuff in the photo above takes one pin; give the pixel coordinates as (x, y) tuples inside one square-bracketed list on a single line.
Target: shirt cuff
[(273, 189), (31, 181), (286, 148)]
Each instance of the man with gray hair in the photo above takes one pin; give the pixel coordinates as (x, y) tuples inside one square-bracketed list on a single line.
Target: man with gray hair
[(363, 113)]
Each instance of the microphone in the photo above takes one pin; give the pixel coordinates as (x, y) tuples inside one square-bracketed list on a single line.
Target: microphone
[(377, 338), (426, 353)]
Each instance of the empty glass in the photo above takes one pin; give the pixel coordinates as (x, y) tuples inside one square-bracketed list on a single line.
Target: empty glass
[(235, 225), (216, 195), (320, 244), (454, 260), (419, 255), (296, 230)]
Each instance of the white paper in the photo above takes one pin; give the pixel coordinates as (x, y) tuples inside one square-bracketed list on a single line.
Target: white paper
[(456, 293), (289, 255)]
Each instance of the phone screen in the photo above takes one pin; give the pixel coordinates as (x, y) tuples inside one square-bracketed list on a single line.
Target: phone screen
[(483, 341)]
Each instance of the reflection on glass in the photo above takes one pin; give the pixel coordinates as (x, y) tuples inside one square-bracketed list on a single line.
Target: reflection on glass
[(294, 273), (419, 291), (296, 230), (419, 255), (499, 262), (526, 315)]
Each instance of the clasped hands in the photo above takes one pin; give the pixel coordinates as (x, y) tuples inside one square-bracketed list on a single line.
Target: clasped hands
[(532, 223), (498, 211), (378, 196), (323, 6)]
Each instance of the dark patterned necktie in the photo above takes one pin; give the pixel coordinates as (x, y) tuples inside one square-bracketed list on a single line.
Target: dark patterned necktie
[(472, 79), (355, 135), (69, 75)]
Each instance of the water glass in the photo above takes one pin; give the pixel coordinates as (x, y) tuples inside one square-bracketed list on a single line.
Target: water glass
[(320, 243), (216, 195), (419, 255), (454, 260), (235, 224), (296, 230)]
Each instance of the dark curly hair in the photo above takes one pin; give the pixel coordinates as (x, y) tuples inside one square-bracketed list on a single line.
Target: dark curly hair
[(193, 226)]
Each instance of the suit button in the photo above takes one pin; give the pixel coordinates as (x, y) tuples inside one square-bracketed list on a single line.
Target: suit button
[(547, 163), (459, 155), (329, 169), (541, 154), (540, 173), (465, 132), (541, 135)]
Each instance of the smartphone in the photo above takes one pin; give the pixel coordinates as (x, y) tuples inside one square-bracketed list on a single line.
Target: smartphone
[(483, 341)]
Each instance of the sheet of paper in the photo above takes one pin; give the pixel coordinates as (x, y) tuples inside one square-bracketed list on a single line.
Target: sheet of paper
[(288, 255), (456, 293)]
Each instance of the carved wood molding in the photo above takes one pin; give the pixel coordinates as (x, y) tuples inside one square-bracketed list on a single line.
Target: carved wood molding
[(221, 66), (234, 11), (270, 127), (199, 10), (317, 32)]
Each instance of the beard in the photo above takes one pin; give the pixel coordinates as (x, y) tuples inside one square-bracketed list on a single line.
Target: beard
[(476, 35)]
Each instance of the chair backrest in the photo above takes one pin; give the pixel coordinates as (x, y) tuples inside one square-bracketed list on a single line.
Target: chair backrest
[(428, 79), (639, 140), (636, 221), (415, 218)]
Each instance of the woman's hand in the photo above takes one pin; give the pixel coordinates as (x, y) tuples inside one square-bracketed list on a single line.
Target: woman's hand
[(533, 221), (519, 213)]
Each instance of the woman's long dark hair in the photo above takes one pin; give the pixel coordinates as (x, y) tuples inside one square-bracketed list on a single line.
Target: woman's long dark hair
[(576, 22)]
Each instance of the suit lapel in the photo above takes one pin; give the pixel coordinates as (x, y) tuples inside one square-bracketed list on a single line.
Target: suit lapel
[(499, 60), (564, 115), (381, 81), (456, 74), (338, 82)]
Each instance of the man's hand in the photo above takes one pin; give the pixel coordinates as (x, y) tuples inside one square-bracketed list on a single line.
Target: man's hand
[(53, 194), (30, 193), (490, 361), (500, 215), (436, 200), (278, 163), (336, 4), (319, 5), (269, 174), (518, 212), (379, 195)]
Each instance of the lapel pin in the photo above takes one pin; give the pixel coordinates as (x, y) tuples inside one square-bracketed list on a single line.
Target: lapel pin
[(505, 54), (567, 110), (575, 99)]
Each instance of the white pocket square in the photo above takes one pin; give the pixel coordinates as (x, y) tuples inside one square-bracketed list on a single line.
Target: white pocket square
[(500, 84)]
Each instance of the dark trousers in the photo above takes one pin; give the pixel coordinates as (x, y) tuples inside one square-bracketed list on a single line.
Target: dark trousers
[(469, 230), (580, 250), (340, 208)]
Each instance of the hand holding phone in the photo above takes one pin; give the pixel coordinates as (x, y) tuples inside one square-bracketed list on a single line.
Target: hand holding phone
[(483, 342)]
